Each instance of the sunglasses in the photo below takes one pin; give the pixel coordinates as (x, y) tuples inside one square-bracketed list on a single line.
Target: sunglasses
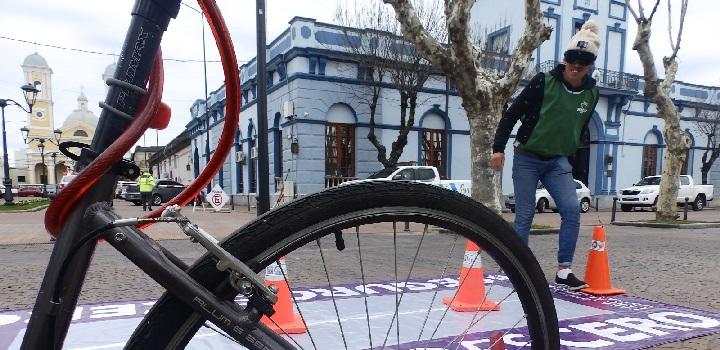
[(578, 57)]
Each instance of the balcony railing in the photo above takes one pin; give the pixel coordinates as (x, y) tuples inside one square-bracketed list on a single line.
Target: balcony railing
[(332, 181), (605, 78)]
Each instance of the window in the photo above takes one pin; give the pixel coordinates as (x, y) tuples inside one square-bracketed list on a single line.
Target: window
[(80, 133), (405, 174), (578, 25), (340, 150), (499, 42), (685, 169), (684, 181), (649, 162), (425, 174), (21, 178), (434, 149)]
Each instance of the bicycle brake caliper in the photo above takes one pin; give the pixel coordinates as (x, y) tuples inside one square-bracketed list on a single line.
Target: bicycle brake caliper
[(242, 277)]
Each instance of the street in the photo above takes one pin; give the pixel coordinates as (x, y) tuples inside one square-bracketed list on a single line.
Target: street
[(674, 266)]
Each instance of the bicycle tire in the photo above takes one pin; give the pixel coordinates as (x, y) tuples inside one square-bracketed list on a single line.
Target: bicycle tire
[(170, 324)]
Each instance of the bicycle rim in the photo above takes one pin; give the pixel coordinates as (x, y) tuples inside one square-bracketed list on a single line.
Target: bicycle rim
[(390, 285)]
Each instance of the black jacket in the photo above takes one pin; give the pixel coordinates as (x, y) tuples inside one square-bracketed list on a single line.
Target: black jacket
[(526, 107)]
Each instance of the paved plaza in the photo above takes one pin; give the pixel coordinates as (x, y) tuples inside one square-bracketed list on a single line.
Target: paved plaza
[(673, 266)]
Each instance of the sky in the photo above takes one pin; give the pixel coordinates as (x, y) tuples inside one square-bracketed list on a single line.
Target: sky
[(100, 26)]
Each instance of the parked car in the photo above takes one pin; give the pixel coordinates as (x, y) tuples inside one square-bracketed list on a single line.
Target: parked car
[(646, 192), (165, 190), (51, 190), (13, 190), (421, 173), (65, 181), (544, 201), (30, 190), (121, 188), (131, 193)]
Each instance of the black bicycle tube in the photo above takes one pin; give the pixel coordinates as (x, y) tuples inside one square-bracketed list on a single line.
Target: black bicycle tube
[(49, 323)]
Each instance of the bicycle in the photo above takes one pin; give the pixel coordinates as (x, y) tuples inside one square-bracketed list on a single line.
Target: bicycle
[(368, 212)]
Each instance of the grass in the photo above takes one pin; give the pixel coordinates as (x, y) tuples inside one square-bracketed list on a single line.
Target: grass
[(24, 205), (678, 222), (540, 227)]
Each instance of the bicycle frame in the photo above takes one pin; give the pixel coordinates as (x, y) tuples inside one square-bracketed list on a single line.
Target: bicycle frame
[(50, 321)]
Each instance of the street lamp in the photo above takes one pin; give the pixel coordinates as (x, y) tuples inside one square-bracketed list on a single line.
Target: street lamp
[(30, 93), (41, 146), (53, 155)]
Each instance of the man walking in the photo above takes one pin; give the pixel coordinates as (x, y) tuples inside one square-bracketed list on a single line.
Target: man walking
[(554, 108), (146, 183)]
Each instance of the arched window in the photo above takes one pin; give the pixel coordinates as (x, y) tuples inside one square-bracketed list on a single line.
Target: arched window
[(650, 154), (433, 142), (686, 168), (80, 133), (340, 141)]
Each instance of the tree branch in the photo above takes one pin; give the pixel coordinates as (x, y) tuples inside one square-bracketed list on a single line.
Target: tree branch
[(654, 10), (632, 11), (414, 32), (683, 12), (535, 34), (457, 13)]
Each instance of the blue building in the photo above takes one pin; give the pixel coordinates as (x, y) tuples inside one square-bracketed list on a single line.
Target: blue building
[(318, 127)]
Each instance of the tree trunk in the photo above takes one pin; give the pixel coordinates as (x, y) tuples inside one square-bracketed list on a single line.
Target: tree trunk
[(677, 143), (486, 183)]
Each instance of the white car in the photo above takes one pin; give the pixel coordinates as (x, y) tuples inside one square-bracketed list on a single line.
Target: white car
[(544, 202), (646, 192), (14, 191)]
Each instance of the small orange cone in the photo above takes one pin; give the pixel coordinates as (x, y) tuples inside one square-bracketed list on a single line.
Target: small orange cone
[(497, 342), (284, 316), (597, 272), (471, 295)]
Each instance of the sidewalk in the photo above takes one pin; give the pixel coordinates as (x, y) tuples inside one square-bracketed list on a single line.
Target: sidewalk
[(28, 227)]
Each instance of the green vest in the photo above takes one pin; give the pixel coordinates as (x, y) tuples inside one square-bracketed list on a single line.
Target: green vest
[(147, 183), (561, 119)]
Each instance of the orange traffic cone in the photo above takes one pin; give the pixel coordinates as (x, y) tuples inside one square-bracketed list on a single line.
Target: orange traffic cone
[(285, 318), (597, 272), (471, 295), (497, 342)]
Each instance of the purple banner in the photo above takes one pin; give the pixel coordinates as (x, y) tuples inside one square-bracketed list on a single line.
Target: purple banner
[(620, 331), (617, 322)]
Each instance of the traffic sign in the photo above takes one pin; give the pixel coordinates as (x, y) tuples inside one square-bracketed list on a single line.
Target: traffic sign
[(217, 198)]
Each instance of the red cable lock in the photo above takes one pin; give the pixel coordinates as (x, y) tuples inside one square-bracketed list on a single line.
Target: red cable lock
[(155, 114)]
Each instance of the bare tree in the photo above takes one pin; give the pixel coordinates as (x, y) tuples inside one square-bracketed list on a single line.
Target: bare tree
[(385, 59), (484, 92), (708, 124), (677, 141)]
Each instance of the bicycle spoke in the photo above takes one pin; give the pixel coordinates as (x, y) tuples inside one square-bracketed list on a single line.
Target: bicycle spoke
[(442, 275), (288, 335), (472, 324), (412, 266), (332, 293), (423, 269), (362, 275), (397, 327), (292, 295)]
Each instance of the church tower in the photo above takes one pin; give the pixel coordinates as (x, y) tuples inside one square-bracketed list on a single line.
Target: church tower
[(41, 120)]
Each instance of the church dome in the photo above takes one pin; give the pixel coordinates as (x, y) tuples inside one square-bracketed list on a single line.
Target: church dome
[(110, 70), (82, 113), (35, 60)]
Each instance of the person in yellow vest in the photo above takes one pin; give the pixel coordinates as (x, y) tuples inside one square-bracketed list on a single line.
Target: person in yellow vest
[(146, 183)]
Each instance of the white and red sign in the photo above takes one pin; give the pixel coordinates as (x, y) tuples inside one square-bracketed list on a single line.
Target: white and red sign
[(217, 198)]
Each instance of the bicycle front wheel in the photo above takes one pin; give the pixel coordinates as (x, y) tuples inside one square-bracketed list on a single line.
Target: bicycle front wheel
[(379, 265)]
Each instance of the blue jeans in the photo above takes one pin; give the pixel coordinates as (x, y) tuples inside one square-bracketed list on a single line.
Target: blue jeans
[(556, 174)]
